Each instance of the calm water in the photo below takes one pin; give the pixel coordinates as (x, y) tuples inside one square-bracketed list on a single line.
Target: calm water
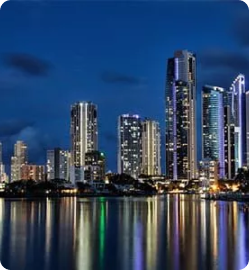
[(171, 232)]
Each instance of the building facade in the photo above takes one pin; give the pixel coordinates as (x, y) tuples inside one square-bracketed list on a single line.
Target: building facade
[(58, 164), (129, 145), (238, 114), (19, 159), (84, 131), (33, 172), (213, 126), (151, 148), (181, 81), (95, 166), (229, 146)]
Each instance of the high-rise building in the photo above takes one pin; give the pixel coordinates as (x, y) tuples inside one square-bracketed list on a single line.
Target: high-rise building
[(238, 111), (95, 166), (213, 126), (3, 175), (181, 82), (247, 129), (84, 134), (19, 159), (58, 164), (151, 148), (129, 144), (33, 172), (229, 150)]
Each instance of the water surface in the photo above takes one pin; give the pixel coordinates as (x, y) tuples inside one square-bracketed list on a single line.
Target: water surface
[(170, 233)]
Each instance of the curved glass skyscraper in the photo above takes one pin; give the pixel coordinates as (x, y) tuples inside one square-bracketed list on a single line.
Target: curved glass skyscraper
[(213, 126)]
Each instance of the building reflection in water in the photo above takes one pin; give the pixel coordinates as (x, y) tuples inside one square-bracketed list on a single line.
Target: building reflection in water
[(170, 232)]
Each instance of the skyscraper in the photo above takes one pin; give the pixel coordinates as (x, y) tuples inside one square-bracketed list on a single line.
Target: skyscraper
[(129, 144), (151, 147), (238, 111), (58, 164), (229, 149), (19, 158), (213, 126), (84, 131), (247, 128), (181, 82)]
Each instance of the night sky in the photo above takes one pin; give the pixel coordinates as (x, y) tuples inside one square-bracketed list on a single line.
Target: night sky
[(111, 53)]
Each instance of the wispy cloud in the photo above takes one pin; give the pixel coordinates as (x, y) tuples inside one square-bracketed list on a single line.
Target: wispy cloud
[(119, 78), (27, 64)]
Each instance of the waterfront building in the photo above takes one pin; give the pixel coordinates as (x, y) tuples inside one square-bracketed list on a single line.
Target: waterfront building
[(129, 145), (151, 148), (229, 137), (238, 112), (209, 172), (58, 164), (213, 126), (33, 172), (19, 159), (94, 166), (3, 175), (181, 83), (84, 134)]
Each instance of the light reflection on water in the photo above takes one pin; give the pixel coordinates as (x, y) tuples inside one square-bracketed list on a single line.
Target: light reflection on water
[(178, 232)]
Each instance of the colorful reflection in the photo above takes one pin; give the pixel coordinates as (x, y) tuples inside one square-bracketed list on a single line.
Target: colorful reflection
[(167, 232)]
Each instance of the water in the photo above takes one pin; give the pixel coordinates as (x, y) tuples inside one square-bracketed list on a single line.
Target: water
[(171, 232)]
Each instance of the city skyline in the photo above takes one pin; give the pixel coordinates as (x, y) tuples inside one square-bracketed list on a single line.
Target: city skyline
[(131, 75)]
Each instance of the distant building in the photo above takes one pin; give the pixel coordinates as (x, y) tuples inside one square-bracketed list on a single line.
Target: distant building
[(33, 172), (180, 106), (151, 148), (3, 175), (94, 166), (213, 126), (58, 164), (19, 159), (129, 145)]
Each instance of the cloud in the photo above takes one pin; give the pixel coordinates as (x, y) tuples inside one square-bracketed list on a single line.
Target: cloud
[(240, 28), (27, 64), (110, 137), (217, 58), (13, 127), (220, 67), (118, 78)]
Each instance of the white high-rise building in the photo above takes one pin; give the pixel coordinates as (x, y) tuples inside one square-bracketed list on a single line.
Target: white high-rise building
[(129, 145), (19, 159), (238, 111), (247, 128), (84, 133), (3, 175), (151, 147)]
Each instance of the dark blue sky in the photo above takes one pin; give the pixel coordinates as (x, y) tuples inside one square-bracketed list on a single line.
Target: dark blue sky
[(112, 53)]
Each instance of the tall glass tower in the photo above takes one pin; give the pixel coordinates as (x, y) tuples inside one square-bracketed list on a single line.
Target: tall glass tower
[(213, 126), (181, 83), (238, 111), (129, 144)]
